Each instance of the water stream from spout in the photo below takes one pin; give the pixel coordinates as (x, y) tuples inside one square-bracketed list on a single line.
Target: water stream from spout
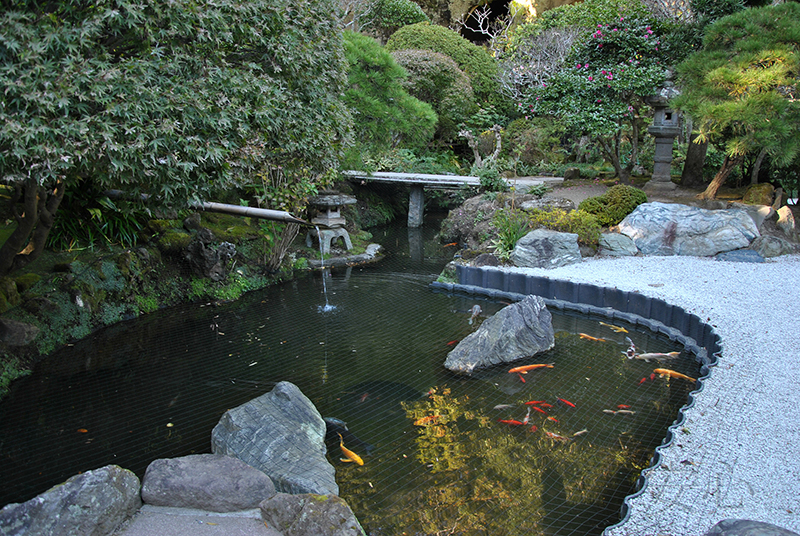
[(327, 307)]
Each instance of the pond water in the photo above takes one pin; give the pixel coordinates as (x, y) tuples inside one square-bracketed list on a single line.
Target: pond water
[(439, 461)]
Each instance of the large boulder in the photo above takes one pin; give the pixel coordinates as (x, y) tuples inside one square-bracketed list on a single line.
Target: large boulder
[(543, 248), (207, 482), (282, 434), (786, 222), (773, 246), (616, 245), (310, 515), (93, 503), (674, 229), (520, 330)]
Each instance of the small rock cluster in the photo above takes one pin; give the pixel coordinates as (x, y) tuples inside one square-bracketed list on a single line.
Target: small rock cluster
[(268, 453)]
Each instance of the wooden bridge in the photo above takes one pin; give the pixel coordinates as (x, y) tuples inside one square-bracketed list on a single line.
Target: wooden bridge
[(419, 181)]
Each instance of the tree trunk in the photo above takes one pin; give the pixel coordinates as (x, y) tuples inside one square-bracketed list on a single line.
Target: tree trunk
[(279, 250), (27, 241), (757, 166), (728, 165), (692, 174)]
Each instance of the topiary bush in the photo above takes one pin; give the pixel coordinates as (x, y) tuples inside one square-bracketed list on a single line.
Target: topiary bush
[(393, 14), (472, 59), (612, 207), (436, 79)]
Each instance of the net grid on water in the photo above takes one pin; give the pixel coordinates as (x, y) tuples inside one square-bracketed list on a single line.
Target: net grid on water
[(553, 450)]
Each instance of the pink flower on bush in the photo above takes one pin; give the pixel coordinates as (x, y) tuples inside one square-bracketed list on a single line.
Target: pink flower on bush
[(591, 78)]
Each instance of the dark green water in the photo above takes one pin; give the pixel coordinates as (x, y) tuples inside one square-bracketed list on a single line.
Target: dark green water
[(155, 387)]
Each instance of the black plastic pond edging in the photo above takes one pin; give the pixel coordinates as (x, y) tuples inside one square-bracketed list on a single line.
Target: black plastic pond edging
[(655, 314)]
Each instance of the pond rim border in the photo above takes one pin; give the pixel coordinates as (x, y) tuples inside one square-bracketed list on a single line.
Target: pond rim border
[(654, 314)]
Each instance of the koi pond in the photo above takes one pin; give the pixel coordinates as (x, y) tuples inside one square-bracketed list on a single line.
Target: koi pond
[(367, 346)]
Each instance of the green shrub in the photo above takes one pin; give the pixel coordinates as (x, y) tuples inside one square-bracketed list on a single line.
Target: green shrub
[(612, 207), (535, 140), (393, 14), (472, 59), (579, 222), (490, 178), (436, 79)]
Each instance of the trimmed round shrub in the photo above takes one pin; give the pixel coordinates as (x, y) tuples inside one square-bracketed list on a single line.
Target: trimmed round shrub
[(472, 59), (393, 14), (612, 207), (436, 79)]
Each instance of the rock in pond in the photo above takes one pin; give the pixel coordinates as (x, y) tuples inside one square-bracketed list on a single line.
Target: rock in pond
[(519, 330), (93, 503), (674, 229), (282, 434), (207, 482), (310, 515)]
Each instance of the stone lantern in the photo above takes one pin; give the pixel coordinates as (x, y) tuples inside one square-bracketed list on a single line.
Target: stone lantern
[(329, 221), (665, 127)]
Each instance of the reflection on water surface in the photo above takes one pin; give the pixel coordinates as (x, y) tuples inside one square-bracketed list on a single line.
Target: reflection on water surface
[(442, 462)]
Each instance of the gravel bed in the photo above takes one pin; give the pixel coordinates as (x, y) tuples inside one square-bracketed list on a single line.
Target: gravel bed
[(738, 454)]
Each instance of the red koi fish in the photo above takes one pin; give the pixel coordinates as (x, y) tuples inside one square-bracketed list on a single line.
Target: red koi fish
[(451, 244), (363, 397), (512, 422), (534, 402), (451, 343), (590, 338), (545, 405), (642, 381), (534, 428), (540, 410), (521, 378), (623, 406), (552, 419), (525, 368), (567, 402)]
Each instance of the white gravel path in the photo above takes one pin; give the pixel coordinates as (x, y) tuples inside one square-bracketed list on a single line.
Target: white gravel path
[(738, 455)]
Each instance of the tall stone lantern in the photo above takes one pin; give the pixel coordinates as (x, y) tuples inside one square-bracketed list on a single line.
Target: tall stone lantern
[(665, 127)]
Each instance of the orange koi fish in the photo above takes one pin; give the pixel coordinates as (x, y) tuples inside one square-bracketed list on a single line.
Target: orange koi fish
[(623, 406), (590, 338), (567, 402), (552, 419), (422, 421), (512, 422), (525, 368), (672, 374), (540, 410), (451, 343), (534, 402), (521, 378), (545, 405), (534, 428), (451, 244), (350, 455)]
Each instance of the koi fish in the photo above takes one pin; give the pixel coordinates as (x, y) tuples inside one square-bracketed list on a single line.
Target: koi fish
[(525, 368), (521, 378), (451, 343), (609, 411), (534, 402), (534, 428), (625, 412), (540, 410), (512, 422), (503, 406), (363, 397), (422, 421), (527, 416), (557, 437), (672, 374), (616, 329), (350, 455), (590, 338), (630, 353), (642, 381), (476, 311), (451, 244), (580, 432), (552, 419), (623, 406), (567, 402), (657, 356), (545, 405)]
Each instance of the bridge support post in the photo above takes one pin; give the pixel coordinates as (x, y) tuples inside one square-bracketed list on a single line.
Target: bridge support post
[(416, 205)]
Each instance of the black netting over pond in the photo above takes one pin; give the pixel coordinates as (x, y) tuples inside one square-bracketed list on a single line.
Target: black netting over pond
[(553, 451)]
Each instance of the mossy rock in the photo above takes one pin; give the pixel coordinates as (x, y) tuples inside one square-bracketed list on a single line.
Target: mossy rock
[(162, 226), (8, 288), (759, 194), (174, 241), (26, 281)]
